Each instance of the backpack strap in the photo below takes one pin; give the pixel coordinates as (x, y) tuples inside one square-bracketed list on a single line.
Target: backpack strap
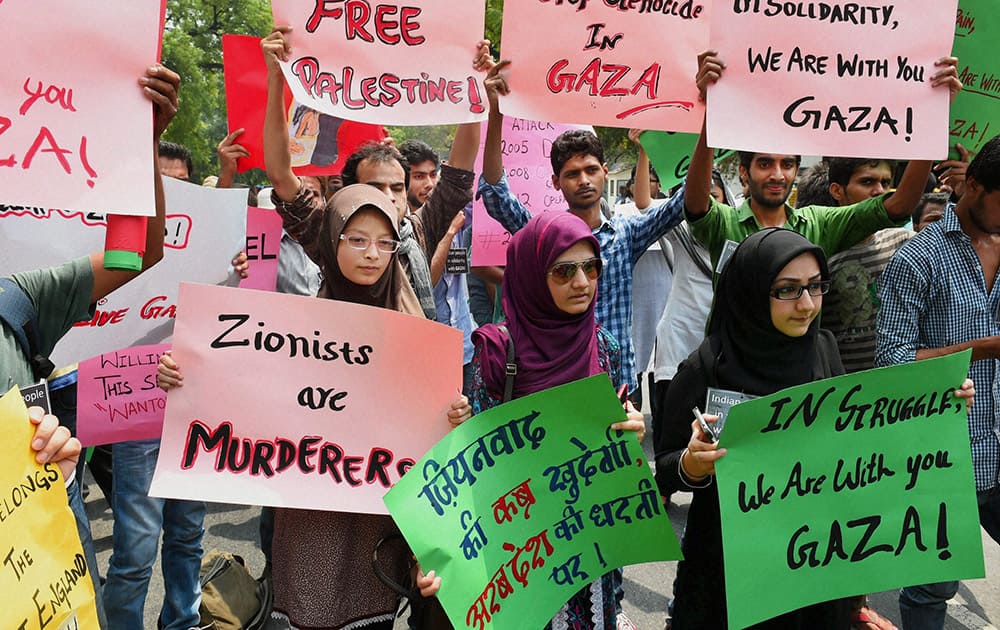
[(508, 386), (20, 316)]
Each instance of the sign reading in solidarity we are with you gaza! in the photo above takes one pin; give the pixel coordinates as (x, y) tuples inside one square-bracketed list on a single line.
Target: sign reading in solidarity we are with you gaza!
[(295, 401), (856, 484), (75, 128), (831, 78), (617, 63), (403, 63)]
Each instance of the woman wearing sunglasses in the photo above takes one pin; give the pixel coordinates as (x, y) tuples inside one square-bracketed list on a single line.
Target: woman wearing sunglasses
[(549, 288)]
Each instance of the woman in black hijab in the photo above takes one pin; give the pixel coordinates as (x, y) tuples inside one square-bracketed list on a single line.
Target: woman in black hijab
[(764, 336)]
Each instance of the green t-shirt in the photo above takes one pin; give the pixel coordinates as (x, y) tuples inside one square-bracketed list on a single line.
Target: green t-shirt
[(834, 229), (61, 296)]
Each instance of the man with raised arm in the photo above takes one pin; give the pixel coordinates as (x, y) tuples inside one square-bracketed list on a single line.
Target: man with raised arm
[(579, 172)]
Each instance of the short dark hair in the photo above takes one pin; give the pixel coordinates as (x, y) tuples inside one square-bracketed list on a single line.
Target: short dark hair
[(814, 187), (418, 152), (376, 152), (746, 158), (652, 175), (985, 167), (928, 199), (574, 142), (174, 151), (842, 169)]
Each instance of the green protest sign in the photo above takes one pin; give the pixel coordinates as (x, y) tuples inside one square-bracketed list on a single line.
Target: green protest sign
[(670, 154), (525, 504), (975, 114), (846, 486)]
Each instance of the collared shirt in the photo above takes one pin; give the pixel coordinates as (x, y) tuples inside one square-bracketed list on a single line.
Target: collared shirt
[(933, 294), (834, 229), (623, 240)]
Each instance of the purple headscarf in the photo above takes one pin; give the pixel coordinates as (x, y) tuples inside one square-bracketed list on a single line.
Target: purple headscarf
[(552, 347)]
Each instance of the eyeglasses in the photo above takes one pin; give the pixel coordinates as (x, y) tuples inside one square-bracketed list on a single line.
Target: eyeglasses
[(354, 241), (565, 271), (794, 291)]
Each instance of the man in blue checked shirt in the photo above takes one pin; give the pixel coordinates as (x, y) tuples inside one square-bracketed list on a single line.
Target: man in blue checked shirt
[(579, 172), (939, 295)]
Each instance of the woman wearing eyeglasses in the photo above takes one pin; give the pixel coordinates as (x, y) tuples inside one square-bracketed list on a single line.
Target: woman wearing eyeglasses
[(763, 336), (322, 561), (549, 288)]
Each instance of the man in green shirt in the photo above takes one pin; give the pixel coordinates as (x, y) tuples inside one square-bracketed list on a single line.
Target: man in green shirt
[(770, 178)]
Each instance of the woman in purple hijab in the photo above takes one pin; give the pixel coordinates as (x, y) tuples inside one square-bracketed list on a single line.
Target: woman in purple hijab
[(549, 288)]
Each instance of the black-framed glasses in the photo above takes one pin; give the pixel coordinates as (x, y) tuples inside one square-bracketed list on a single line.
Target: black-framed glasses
[(794, 291), (563, 272), (355, 241)]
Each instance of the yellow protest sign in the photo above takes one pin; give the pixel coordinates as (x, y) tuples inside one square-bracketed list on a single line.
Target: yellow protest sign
[(43, 574)]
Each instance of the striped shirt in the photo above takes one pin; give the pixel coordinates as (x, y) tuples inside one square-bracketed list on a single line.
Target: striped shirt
[(623, 240), (933, 294), (849, 309)]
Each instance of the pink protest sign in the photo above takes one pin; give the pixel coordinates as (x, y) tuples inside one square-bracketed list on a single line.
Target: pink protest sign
[(616, 63), (301, 402), (525, 148), (263, 245), (117, 396), (831, 78), (75, 128), (385, 62)]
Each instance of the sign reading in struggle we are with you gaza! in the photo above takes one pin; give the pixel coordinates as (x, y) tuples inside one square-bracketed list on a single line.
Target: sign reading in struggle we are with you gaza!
[(385, 61), (296, 401), (856, 484), (831, 78), (75, 128), (617, 63), (527, 503)]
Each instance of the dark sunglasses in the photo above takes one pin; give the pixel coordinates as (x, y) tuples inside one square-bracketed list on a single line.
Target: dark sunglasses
[(794, 291), (565, 271)]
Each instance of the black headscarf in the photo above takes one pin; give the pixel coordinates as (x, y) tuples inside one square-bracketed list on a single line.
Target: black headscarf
[(751, 354)]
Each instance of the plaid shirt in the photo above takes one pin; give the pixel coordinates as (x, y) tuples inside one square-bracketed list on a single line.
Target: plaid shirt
[(623, 240), (933, 294)]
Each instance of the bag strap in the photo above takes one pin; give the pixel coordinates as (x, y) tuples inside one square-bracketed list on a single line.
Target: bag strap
[(20, 316), (511, 372)]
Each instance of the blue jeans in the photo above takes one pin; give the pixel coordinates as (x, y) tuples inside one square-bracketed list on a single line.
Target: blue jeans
[(138, 521), (87, 541), (924, 607)]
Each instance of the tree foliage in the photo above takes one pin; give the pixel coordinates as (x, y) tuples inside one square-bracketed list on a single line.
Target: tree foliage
[(192, 47)]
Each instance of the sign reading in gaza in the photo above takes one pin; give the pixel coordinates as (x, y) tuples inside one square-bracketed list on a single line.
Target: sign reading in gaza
[(403, 63), (616, 63), (303, 402), (75, 128), (831, 78)]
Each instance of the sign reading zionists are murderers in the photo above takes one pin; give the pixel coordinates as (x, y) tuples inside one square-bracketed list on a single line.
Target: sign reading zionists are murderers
[(526, 504), (856, 484), (831, 78), (403, 63), (296, 401), (617, 63)]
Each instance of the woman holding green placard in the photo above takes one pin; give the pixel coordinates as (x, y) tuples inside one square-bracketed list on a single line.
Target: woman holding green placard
[(549, 288), (763, 336)]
